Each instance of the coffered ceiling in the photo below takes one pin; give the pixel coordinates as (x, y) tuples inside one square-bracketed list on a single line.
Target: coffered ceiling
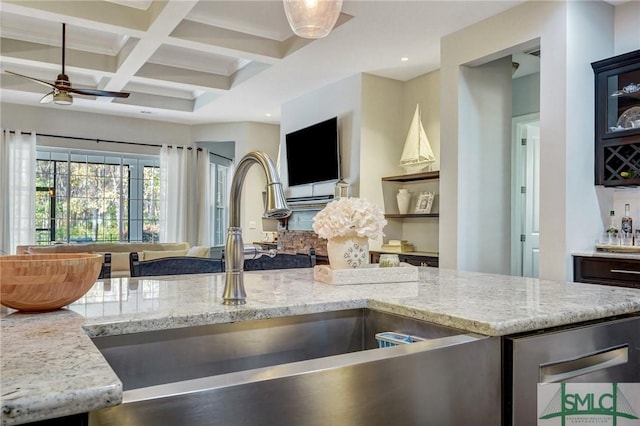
[(208, 61)]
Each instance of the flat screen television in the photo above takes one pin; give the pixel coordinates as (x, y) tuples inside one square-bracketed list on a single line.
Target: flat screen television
[(313, 153)]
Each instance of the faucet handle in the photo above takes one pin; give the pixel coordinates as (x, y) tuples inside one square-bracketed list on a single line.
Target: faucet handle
[(254, 251)]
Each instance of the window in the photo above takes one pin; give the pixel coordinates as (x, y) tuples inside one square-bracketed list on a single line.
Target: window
[(220, 171), (96, 197)]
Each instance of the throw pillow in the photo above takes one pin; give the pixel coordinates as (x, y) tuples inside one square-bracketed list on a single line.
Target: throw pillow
[(119, 261), (198, 251), (151, 255)]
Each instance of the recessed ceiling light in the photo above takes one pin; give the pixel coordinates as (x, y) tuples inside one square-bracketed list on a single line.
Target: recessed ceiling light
[(268, 115), (404, 59)]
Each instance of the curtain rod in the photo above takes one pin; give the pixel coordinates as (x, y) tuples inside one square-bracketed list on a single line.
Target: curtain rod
[(112, 141), (79, 138)]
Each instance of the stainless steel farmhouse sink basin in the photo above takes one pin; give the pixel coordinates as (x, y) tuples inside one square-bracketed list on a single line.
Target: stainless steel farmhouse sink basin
[(312, 369)]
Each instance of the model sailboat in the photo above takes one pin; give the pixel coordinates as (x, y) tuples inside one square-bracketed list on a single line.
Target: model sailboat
[(417, 153)]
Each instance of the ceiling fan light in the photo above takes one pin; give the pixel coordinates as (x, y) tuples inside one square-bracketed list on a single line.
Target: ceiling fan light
[(62, 98), (312, 18)]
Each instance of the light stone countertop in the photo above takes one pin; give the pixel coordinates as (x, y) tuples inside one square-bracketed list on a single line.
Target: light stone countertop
[(608, 254), (50, 368)]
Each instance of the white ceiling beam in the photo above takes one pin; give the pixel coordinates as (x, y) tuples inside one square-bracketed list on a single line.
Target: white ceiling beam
[(145, 100), (166, 19), (204, 100), (147, 31), (34, 52), (233, 42), (196, 79), (245, 73), (100, 15)]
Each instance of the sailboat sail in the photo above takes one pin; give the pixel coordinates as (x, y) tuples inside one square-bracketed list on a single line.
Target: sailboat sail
[(417, 153)]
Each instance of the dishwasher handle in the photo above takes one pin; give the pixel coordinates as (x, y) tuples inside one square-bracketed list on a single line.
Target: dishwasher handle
[(565, 370)]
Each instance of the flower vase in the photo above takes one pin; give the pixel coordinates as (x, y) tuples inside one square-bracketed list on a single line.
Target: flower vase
[(403, 197), (348, 252)]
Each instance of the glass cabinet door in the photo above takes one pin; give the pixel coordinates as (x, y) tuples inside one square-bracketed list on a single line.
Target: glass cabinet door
[(617, 120), (623, 102)]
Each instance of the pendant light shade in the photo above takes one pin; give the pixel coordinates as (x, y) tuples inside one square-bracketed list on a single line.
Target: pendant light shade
[(312, 18)]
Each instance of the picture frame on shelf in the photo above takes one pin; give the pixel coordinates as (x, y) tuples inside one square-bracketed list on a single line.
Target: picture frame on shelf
[(424, 202)]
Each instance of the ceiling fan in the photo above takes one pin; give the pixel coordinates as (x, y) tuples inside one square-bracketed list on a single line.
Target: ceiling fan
[(62, 90)]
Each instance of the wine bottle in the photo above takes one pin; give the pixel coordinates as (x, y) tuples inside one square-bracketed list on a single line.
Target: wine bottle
[(627, 221), (613, 227)]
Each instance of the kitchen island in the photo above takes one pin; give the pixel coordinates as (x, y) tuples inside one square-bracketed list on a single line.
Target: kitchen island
[(50, 367)]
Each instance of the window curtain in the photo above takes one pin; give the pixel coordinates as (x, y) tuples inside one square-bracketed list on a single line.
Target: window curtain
[(184, 195), (204, 199), (17, 190)]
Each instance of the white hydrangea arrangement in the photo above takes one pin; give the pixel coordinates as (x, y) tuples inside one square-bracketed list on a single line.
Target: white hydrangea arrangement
[(348, 216)]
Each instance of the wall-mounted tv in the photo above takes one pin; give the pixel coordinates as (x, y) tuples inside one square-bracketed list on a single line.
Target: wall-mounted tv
[(313, 153)]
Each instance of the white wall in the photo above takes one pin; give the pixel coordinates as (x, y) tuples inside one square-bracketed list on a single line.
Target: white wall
[(247, 137), (627, 31), (485, 155), (526, 95), (566, 80), (590, 35), (341, 99), (425, 91), (58, 121), (381, 144)]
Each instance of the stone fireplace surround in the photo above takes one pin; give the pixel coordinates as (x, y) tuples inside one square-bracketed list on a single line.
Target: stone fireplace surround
[(301, 242)]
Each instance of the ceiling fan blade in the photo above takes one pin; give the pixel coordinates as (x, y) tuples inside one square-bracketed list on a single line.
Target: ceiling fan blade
[(48, 98), (35, 80), (62, 89), (95, 92)]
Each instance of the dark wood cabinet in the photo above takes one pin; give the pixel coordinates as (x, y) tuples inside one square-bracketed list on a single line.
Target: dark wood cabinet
[(617, 120), (412, 258), (607, 270)]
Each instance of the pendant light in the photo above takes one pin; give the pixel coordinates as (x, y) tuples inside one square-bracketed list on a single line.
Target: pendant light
[(312, 18)]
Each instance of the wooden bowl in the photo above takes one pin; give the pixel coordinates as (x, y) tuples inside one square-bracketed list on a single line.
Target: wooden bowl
[(45, 282)]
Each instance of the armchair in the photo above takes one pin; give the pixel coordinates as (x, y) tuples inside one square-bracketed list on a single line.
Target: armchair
[(177, 265), (105, 270), (282, 261)]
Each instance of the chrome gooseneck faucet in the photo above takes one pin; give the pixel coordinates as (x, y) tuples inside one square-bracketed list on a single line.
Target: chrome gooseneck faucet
[(275, 208)]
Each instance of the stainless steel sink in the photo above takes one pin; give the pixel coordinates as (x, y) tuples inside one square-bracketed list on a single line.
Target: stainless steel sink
[(314, 369)]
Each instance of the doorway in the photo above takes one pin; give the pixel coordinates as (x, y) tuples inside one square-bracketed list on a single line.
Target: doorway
[(525, 229)]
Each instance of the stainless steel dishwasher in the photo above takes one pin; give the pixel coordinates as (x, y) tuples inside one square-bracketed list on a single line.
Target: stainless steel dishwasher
[(597, 352)]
